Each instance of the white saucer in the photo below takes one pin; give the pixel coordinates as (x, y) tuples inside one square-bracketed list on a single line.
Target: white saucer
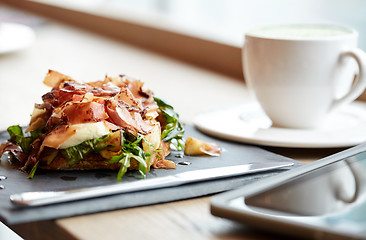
[(248, 123), (14, 37)]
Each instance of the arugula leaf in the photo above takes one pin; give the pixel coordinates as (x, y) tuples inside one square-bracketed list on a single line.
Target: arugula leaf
[(33, 171), (125, 160), (131, 149), (76, 153), (14, 131), (17, 136), (36, 133), (174, 130), (125, 164)]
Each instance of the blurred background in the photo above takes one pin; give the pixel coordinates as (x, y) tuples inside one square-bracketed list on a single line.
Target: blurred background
[(160, 41), (227, 20)]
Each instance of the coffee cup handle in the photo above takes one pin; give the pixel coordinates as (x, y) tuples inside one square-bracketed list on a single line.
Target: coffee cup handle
[(359, 84)]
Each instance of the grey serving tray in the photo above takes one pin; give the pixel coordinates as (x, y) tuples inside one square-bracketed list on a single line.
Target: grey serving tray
[(233, 154)]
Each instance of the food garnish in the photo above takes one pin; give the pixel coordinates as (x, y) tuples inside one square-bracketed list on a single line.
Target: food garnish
[(194, 146)]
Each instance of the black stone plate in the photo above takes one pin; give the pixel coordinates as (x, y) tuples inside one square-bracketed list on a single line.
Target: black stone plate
[(233, 154)]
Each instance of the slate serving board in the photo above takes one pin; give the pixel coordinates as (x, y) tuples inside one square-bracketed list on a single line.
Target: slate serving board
[(233, 154)]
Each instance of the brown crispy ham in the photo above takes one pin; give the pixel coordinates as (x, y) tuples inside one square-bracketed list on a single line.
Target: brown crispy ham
[(53, 78), (125, 95), (84, 112), (13, 149), (39, 118), (121, 114)]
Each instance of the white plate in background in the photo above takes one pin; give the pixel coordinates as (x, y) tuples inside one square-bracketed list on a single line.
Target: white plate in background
[(14, 37), (248, 124)]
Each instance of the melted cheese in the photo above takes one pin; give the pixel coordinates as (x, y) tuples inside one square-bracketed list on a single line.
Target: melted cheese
[(65, 136), (85, 131)]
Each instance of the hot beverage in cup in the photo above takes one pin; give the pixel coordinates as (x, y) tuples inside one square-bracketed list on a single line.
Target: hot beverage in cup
[(291, 32), (301, 73)]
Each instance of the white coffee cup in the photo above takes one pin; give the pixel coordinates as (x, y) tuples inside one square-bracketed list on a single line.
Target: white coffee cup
[(301, 73)]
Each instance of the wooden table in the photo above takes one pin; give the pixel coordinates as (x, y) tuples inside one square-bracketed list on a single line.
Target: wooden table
[(87, 57)]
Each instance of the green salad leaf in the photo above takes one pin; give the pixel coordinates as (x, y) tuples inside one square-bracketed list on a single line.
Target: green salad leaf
[(33, 171), (76, 153), (131, 149), (17, 137), (174, 130)]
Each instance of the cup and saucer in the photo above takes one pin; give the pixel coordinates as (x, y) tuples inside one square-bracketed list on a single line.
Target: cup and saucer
[(305, 78), (247, 123)]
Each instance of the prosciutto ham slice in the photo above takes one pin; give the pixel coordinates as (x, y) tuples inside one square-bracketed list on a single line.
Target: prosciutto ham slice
[(84, 112), (122, 105)]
